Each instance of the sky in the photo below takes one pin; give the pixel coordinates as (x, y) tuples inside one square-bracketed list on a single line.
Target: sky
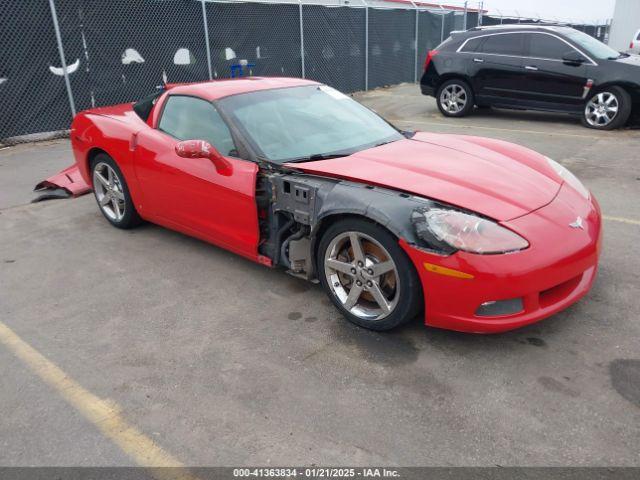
[(563, 10)]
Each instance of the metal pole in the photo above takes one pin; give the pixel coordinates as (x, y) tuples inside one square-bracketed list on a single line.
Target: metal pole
[(366, 47), (464, 21), (480, 10), (301, 39), (442, 29), (206, 38), (415, 62), (63, 61)]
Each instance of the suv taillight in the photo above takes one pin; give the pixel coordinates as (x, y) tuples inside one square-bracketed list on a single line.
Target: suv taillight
[(430, 55)]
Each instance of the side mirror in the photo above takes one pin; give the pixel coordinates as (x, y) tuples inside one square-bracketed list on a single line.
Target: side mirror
[(203, 149), (573, 57)]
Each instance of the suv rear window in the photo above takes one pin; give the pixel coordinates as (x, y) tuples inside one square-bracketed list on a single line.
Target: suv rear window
[(498, 44), (472, 44)]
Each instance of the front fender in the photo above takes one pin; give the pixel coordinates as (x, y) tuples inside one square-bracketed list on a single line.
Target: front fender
[(318, 201)]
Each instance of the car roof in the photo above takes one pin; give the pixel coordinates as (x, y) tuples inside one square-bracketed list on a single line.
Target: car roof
[(216, 89)]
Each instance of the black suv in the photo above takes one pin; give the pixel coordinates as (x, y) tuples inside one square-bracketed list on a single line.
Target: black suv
[(527, 67)]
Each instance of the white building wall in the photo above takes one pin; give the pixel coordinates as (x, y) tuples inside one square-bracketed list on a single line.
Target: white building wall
[(625, 23)]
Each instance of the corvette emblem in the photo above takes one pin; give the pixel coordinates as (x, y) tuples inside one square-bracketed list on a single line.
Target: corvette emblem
[(577, 223)]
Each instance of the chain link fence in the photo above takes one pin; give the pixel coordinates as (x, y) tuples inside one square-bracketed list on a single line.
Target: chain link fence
[(62, 56)]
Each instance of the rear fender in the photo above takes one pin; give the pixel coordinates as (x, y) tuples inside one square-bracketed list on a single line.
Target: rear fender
[(94, 133)]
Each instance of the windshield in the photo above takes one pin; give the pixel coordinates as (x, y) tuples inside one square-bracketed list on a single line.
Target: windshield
[(298, 123), (595, 48)]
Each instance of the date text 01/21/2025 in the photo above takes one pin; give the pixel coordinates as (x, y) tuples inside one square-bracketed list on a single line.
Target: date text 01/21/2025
[(316, 472)]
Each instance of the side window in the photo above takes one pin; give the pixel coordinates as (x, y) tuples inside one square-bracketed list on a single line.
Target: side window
[(546, 46), (638, 37), (472, 44), (190, 118), (503, 44)]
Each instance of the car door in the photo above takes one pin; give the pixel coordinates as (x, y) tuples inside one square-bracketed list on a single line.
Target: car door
[(495, 66), (550, 80), (189, 194)]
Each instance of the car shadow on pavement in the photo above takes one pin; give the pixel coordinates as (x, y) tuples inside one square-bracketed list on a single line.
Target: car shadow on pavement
[(548, 118)]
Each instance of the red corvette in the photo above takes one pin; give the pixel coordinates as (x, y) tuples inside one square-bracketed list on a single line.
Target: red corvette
[(480, 235)]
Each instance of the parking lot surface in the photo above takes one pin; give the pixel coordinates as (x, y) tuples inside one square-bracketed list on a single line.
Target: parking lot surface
[(212, 360)]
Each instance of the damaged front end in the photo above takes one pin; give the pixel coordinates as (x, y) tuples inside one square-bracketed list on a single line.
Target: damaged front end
[(295, 209)]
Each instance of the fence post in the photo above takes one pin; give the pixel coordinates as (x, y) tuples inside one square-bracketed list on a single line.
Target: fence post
[(415, 60), (366, 46), (206, 38), (301, 39), (464, 21), (63, 60)]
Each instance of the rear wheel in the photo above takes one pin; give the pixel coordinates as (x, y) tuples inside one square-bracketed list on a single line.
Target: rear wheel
[(608, 109), (455, 98), (367, 275), (112, 193)]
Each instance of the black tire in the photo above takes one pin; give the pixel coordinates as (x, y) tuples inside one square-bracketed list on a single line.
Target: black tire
[(623, 100), (130, 218), (408, 299), (468, 97)]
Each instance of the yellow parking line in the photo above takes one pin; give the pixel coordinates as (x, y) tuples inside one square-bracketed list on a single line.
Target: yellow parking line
[(622, 220), (479, 127), (105, 415)]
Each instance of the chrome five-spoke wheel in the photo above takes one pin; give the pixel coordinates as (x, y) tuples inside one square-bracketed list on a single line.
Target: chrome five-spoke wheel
[(109, 191), (362, 275), (602, 109), (453, 98)]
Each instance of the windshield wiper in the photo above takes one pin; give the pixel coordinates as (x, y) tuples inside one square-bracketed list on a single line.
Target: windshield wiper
[(329, 156), (318, 156), (384, 143)]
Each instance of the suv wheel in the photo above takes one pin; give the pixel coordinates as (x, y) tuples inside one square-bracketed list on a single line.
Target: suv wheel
[(608, 109), (455, 98)]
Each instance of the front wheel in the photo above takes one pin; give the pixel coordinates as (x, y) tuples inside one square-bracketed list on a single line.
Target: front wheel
[(455, 98), (367, 275), (608, 109)]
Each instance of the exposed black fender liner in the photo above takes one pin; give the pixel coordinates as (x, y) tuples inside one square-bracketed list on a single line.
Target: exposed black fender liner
[(314, 200)]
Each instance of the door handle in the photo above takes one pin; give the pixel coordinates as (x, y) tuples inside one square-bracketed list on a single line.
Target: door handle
[(531, 67), (478, 60)]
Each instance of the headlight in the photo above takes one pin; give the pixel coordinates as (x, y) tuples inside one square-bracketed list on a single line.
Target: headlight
[(569, 177), (463, 231)]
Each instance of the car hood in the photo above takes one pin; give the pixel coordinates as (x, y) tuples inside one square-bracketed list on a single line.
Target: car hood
[(632, 59), (494, 178)]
